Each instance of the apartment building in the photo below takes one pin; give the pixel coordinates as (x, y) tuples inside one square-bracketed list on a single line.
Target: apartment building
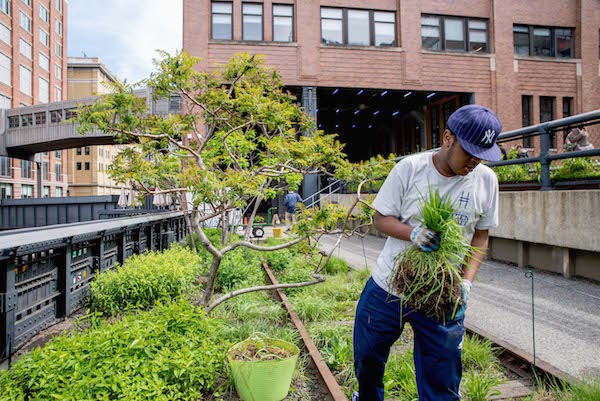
[(386, 75), (33, 43), (88, 165)]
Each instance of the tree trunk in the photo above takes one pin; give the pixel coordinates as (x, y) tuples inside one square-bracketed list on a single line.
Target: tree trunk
[(184, 205), (251, 219), (212, 278), (223, 228)]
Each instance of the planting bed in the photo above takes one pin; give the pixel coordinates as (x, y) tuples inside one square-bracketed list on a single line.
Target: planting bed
[(144, 339)]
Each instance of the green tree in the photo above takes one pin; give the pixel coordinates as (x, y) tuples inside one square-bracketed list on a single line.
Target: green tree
[(249, 141)]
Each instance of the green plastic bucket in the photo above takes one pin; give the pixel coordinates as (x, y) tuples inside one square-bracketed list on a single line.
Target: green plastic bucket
[(263, 380)]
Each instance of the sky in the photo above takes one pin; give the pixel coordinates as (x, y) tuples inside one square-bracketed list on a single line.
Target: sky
[(125, 34)]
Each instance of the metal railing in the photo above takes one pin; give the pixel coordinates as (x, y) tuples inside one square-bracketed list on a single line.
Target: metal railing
[(45, 272)]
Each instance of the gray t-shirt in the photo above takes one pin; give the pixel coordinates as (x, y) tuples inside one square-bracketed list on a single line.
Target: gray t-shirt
[(475, 196)]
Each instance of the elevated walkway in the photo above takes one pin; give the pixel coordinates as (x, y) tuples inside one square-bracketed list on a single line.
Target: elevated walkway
[(25, 131), (567, 311)]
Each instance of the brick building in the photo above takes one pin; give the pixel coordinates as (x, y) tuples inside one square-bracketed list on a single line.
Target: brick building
[(33, 70), (385, 75), (88, 165)]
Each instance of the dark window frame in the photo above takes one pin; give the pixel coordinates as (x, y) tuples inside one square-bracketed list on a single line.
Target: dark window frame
[(212, 36), (27, 166), (552, 100), (526, 117), (554, 47), (58, 172), (78, 166), (283, 16), (262, 22), (466, 29), (87, 166), (86, 150), (371, 26), (6, 169)]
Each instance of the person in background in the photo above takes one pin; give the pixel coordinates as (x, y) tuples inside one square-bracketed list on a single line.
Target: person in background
[(521, 153), (578, 139), (504, 155), (290, 202)]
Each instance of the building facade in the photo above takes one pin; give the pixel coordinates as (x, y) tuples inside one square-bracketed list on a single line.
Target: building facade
[(386, 75), (33, 61), (88, 165)]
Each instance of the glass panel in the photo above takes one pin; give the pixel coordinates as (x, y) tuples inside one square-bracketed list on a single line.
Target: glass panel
[(331, 13), (384, 34), (221, 27), (474, 24), (331, 31), (380, 16), (430, 21), (478, 41), (542, 42), (285, 11), (254, 9), (282, 29), (455, 35), (430, 36), (564, 42), (225, 8), (358, 28), (521, 43), (252, 27)]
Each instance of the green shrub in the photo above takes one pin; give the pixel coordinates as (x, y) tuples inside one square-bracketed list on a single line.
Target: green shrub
[(171, 352), (336, 266), (479, 354), (279, 260), (576, 168), (145, 279), (239, 268)]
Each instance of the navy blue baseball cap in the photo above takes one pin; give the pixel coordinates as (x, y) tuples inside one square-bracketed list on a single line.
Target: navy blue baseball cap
[(477, 128)]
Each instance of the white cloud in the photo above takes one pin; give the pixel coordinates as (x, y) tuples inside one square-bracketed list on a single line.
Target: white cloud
[(125, 33)]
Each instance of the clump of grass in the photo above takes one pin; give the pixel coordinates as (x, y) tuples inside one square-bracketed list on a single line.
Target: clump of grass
[(479, 386), (581, 390), (479, 354), (310, 308), (430, 281), (399, 380)]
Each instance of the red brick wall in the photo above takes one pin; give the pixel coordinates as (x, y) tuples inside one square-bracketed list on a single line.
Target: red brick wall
[(491, 77)]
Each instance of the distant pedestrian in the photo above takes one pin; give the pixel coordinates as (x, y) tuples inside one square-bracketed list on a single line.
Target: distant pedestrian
[(290, 202), (578, 139), (504, 156), (521, 152)]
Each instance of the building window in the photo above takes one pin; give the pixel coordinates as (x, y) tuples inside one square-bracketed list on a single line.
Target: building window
[(26, 191), (58, 72), (46, 192), (543, 41), (25, 80), (56, 117), (5, 166), (4, 34), (358, 27), (59, 28), (222, 20), (57, 94), (25, 48), (5, 69), (87, 165), (58, 192), (25, 21), (59, 49), (100, 166), (26, 120), (435, 126), (283, 23), (331, 26), (6, 191), (44, 93), (547, 114), (5, 6), (567, 109), (26, 169), (78, 151), (40, 118), (526, 107), (13, 122), (448, 109), (252, 21), (107, 154), (44, 38), (87, 150), (28, 2), (78, 165), (100, 152), (44, 14), (58, 172), (454, 34), (5, 102), (44, 62), (59, 5), (57, 154)]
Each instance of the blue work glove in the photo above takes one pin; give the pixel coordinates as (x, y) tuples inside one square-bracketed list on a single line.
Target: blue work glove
[(465, 287), (425, 239)]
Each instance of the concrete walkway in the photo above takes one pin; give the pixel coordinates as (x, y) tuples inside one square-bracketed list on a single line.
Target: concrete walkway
[(567, 311)]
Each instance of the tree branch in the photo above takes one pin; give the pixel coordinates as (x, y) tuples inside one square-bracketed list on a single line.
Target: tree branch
[(261, 248)]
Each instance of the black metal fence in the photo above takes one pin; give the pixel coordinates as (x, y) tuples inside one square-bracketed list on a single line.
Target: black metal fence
[(45, 272)]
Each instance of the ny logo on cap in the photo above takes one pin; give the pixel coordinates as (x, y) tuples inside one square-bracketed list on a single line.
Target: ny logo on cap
[(488, 136)]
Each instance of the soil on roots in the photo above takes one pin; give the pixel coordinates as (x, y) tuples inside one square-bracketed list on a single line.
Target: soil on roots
[(437, 295)]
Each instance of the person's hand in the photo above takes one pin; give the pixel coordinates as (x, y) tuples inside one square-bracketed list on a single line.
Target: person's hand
[(465, 287), (425, 239)]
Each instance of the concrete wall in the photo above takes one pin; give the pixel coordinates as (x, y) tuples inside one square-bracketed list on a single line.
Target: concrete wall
[(557, 231)]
